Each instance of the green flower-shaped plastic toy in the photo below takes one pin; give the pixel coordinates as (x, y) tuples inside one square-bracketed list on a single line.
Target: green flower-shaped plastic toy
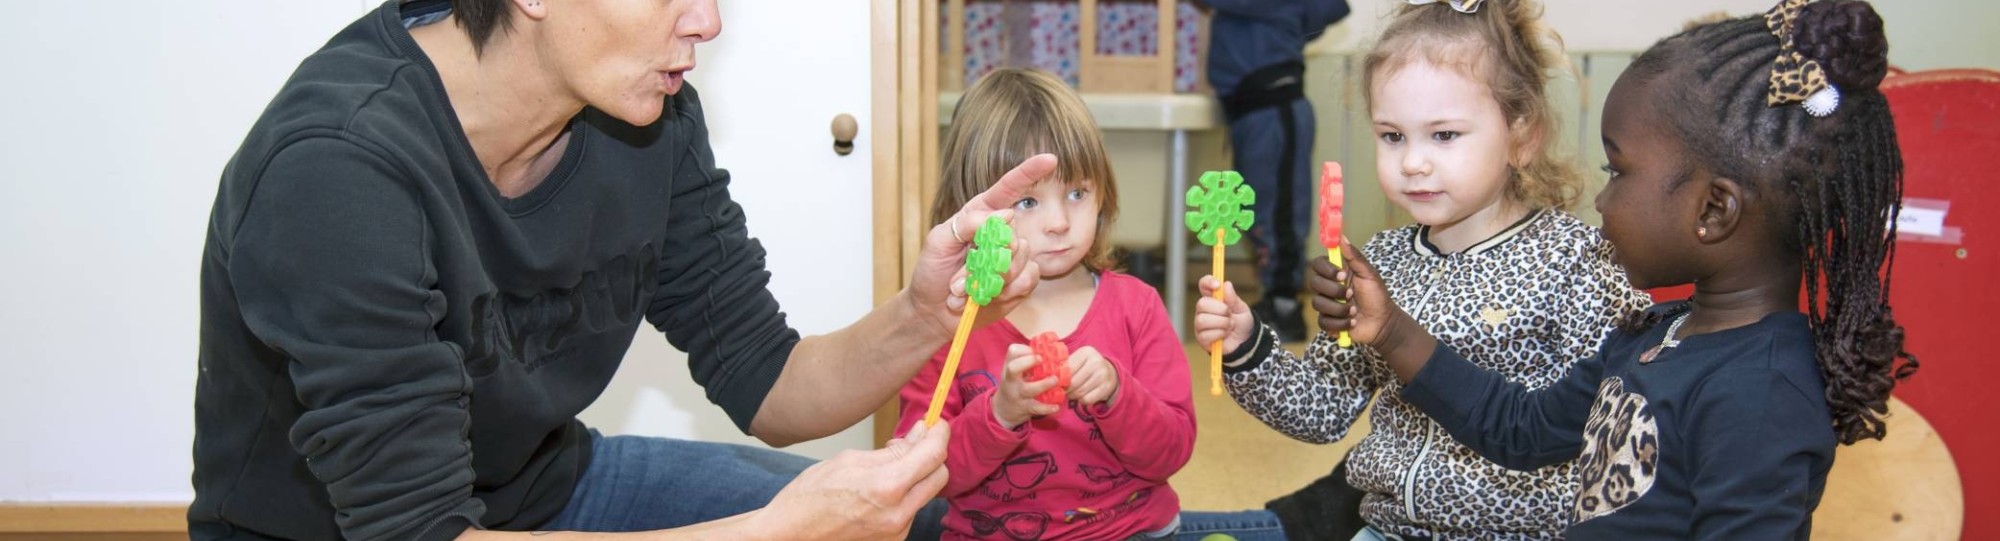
[(989, 260), (1219, 203), (985, 268), (1218, 219)]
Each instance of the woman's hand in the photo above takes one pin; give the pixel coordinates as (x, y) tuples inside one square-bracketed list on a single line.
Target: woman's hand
[(937, 288), (861, 495)]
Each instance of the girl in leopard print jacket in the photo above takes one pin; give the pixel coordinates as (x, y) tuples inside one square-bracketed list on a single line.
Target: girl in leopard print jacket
[(1527, 303), (1494, 267), (1756, 159)]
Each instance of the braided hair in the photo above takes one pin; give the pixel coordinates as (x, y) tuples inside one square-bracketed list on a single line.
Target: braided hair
[(1838, 179)]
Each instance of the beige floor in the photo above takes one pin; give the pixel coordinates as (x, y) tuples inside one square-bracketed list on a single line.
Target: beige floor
[(1238, 462)]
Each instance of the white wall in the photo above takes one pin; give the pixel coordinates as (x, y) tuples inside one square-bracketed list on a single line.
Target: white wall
[(771, 85), (120, 115)]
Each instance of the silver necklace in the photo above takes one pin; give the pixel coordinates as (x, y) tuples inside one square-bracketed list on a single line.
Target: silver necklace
[(1666, 342)]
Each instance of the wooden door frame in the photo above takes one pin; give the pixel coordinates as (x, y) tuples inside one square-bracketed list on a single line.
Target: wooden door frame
[(903, 99)]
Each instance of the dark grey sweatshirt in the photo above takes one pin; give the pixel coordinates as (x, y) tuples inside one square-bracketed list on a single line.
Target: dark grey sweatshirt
[(391, 350)]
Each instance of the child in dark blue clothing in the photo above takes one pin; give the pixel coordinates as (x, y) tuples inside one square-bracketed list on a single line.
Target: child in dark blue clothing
[(1749, 157), (1256, 62)]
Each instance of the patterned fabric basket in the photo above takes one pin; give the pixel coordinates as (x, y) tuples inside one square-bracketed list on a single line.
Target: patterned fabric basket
[(1047, 35)]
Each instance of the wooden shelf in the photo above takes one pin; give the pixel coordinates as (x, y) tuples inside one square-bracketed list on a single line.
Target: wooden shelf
[(1145, 112)]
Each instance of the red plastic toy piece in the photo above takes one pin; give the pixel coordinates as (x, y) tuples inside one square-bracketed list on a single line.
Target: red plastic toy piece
[(1051, 360), (1332, 199)]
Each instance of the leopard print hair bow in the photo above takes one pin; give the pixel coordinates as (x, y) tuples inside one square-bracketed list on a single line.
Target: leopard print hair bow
[(1462, 6), (1795, 78)]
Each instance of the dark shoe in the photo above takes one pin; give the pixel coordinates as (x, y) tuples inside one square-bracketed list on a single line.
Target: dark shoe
[(1284, 314), (1328, 509)]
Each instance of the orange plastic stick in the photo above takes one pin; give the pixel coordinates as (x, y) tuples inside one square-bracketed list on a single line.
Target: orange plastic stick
[(951, 363), (1215, 349)]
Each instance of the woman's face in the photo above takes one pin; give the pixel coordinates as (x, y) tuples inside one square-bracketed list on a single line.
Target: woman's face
[(624, 57)]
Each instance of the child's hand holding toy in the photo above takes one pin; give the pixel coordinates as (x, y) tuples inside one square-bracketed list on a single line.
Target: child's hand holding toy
[(1092, 378), (1017, 400), (1366, 312), (1226, 318)]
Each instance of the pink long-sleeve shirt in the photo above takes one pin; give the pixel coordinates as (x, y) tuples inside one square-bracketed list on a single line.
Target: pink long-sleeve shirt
[(1097, 472)]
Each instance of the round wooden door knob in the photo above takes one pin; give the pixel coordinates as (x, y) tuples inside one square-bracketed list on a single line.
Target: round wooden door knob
[(844, 130)]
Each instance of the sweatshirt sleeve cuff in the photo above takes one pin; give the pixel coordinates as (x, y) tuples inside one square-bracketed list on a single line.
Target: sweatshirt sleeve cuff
[(1251, 353), (1128, 391), (448, 528), (982, 426), (751, 385)]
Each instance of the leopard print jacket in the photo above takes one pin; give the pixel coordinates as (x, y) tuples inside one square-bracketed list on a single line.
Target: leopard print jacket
[(1528, 303)]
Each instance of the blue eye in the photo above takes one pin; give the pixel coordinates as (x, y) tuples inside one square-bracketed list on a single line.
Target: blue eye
[(1445, 136), (1077, 194), (1026, 203)]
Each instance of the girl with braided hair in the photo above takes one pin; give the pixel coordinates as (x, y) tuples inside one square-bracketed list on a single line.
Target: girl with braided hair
[(1754, 158)]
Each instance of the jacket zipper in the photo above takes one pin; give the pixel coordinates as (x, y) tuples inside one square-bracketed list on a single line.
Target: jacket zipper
[(1410, 477)]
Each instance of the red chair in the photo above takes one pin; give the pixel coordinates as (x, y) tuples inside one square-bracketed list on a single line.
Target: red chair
[(1948, 124)]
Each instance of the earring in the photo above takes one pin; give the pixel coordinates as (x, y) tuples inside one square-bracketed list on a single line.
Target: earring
[(1701, 232)]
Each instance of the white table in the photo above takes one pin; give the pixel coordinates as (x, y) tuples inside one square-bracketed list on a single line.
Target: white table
[(1176, 113)]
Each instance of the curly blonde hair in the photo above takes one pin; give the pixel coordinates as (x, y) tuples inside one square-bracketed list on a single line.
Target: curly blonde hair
[(1514, 53)]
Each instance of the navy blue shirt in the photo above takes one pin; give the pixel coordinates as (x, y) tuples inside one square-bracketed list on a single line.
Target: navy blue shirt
[(1248, 34), (1726, 436)]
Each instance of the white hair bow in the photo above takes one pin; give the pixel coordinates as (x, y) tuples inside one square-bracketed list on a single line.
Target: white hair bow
[(1462, 6)]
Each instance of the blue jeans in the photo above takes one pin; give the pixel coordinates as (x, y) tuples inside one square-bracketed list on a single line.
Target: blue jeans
[(1253, 525), (637, 483)]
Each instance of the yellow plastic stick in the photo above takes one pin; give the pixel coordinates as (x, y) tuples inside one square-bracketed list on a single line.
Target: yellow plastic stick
[(1333, 254), (951, 363), (1215, 349)]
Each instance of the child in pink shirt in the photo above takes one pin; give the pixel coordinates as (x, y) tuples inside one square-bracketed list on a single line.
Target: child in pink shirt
[(1095, 467)]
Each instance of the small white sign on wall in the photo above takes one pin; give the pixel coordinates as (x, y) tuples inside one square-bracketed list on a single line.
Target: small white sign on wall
[(1922, 220)]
